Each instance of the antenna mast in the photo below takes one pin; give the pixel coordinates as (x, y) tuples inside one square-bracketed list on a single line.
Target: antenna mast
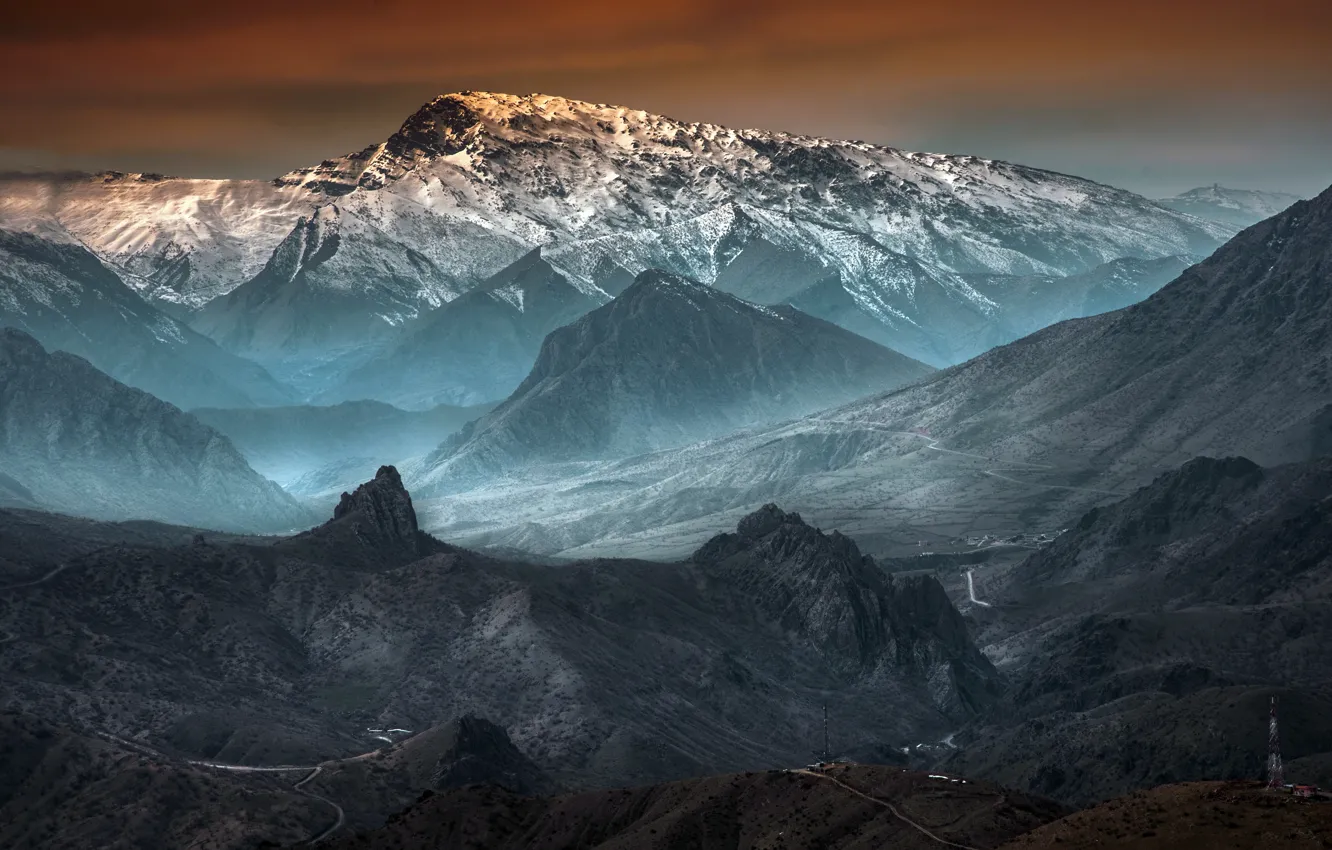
[(826, 753), (1275, 777)]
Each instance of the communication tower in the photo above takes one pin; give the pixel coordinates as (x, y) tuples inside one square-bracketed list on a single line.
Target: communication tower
[(1275, 775)]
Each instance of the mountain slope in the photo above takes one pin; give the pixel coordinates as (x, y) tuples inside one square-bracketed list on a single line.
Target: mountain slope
[(1233, 356), (798, 811), (83, 443), (1232, 207), (63, 295), (478, 347), (328, 298), (1192, 816), (666, 362), (1169, 618), (62, 790)]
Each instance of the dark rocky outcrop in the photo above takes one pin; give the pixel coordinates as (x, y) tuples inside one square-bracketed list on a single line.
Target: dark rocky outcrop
[(822, 588), (383, 505), (479, 752), (375, 526)]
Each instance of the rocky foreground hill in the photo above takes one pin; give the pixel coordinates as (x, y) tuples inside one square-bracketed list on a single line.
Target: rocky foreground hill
[(1192, 816), (844, 807), (604, 673)]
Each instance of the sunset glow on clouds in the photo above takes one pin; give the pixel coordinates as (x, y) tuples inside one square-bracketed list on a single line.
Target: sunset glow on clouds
[(1151, 95)]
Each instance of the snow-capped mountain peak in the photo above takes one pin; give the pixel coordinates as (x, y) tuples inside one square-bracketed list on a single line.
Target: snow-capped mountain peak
[(884, 239)]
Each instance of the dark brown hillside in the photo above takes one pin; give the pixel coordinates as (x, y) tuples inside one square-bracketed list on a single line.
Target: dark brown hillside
[(1193, 816), (849, 806)]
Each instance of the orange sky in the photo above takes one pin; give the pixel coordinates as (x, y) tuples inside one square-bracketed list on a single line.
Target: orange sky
[(1156, 96)]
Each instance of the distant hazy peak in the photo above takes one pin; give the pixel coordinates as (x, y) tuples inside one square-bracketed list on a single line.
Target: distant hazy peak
[(1225, 194), (1233, 206)]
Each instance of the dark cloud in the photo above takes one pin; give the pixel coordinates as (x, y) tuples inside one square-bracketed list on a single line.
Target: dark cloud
[(254, 88)]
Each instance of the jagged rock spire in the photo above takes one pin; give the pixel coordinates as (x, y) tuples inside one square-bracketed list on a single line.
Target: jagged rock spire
[(382, 506)]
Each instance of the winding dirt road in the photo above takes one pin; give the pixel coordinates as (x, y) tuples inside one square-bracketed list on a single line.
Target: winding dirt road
[(57, 571), (889, 806), (311, 772), (971, 591), (342, 816)]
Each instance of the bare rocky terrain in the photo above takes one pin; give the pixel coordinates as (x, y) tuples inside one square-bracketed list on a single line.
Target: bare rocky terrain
[(61, 789), (283, 651)]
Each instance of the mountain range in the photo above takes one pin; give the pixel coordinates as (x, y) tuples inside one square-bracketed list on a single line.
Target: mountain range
[(322, 270), (1230, 358), (1075, 450)]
